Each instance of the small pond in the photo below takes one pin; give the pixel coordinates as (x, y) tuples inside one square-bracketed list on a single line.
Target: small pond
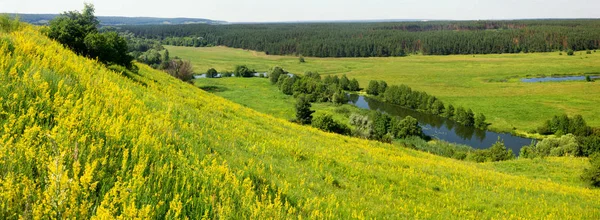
[(442, 128)]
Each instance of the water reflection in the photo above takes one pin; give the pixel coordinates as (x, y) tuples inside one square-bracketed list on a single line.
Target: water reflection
[(442, 128)]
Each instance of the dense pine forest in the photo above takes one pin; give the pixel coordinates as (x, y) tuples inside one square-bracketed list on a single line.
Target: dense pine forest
[(385, 39)]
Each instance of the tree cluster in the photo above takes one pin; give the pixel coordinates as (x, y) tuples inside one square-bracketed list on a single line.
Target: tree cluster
[(383, 127), (563, 124), (79, 32), (404, 96), (316, 89)]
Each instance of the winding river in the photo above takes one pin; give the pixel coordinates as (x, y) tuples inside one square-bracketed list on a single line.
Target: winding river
[(442, 128)]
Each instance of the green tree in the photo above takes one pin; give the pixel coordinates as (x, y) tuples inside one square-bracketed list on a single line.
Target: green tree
[(71, 28), (480, 122), (287, 85), (382, 87), (588, 79), (344, 82), (381, 125), (406, 127), (243, 71), (274, 75), (303, 112), (301, 59), (211, 73), (339, 97), (373, 88), (353, 86), (109, 48), (592, 174), (499, 152), (570, 52), (165, 60), (449, 113)]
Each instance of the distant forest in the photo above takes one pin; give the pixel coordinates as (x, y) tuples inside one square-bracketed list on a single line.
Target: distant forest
[(385, 39)]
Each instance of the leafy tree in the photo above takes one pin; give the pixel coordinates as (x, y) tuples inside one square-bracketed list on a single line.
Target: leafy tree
[(592, 174), (274, 75), (406, 127), (243, 71), (449, 113), (287, 85), (480, 122), (303, 112), (109, 48), (344, 82), (301, 59), (588, 79), (353, 86), (373, 88), (382, 86), (570, 52), (339, 97), (381, 125), (552, 146), (165, 60), (499, 152), (71, 28), (326, 123), (211, 73)]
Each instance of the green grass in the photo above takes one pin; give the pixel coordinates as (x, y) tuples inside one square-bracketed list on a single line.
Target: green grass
[(467, 80)]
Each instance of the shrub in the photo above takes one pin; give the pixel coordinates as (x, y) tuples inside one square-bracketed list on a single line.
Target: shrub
[(565, 145), (301, 59), (180, 69), (326, 123), (588, 52), (211, 73), (363, 126), (592, 174), (588, 79), (109, 48), (7, 24), (243, 71), (570, 52), (339, 97), (353, 86), (275, 74)]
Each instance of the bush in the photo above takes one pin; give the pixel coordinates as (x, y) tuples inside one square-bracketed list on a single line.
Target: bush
[(211, 73), (589, 145), (588, 79), (339, 97), (588, 52), (7, 24), (353, 86), (565, 145), (275, 74), (564, 125), (592, 174), (180, 69), (109, 48), (301, 59), (363, 126), (326, 123), (570, 52), (243, 71)]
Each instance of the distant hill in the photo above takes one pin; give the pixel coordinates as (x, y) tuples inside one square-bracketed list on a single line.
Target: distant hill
[(40, 19)]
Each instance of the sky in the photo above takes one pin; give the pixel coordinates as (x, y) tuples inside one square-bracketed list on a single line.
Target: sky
[(318, 10)]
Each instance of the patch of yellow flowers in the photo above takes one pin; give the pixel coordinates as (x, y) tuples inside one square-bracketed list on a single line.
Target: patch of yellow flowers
[(80, 141)]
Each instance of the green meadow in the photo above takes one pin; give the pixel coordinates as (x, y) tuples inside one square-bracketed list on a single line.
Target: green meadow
[(489, 84)]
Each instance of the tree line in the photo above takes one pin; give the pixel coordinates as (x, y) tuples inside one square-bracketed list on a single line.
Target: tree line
[(385, 39), (404, 96)]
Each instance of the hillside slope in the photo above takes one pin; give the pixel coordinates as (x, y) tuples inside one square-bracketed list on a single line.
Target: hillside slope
[(79, 140)]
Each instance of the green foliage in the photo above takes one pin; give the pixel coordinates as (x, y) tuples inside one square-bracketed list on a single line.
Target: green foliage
[(464, 117), (589, 144), (109, 48), (363, 126), (449, 113), (592, 175), (287, 84), (211, 73), (354, 86), (381, 125), (181, 69), (326, 123), (301, 59), (243, 71), (339, 97), (480, 121), (7, 24), (344, 82), (564, 125), (275, 74), (373, 88), (437, 147), (303, 111), (551, 146), (570, 52), (406, 127), (381, 87), (499, 152), (588, 79)]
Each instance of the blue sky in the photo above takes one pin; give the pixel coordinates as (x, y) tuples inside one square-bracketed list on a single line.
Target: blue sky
[(310, 10)]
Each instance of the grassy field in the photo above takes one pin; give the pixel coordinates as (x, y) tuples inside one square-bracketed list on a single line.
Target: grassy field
[(486, 83), (78, 140)]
